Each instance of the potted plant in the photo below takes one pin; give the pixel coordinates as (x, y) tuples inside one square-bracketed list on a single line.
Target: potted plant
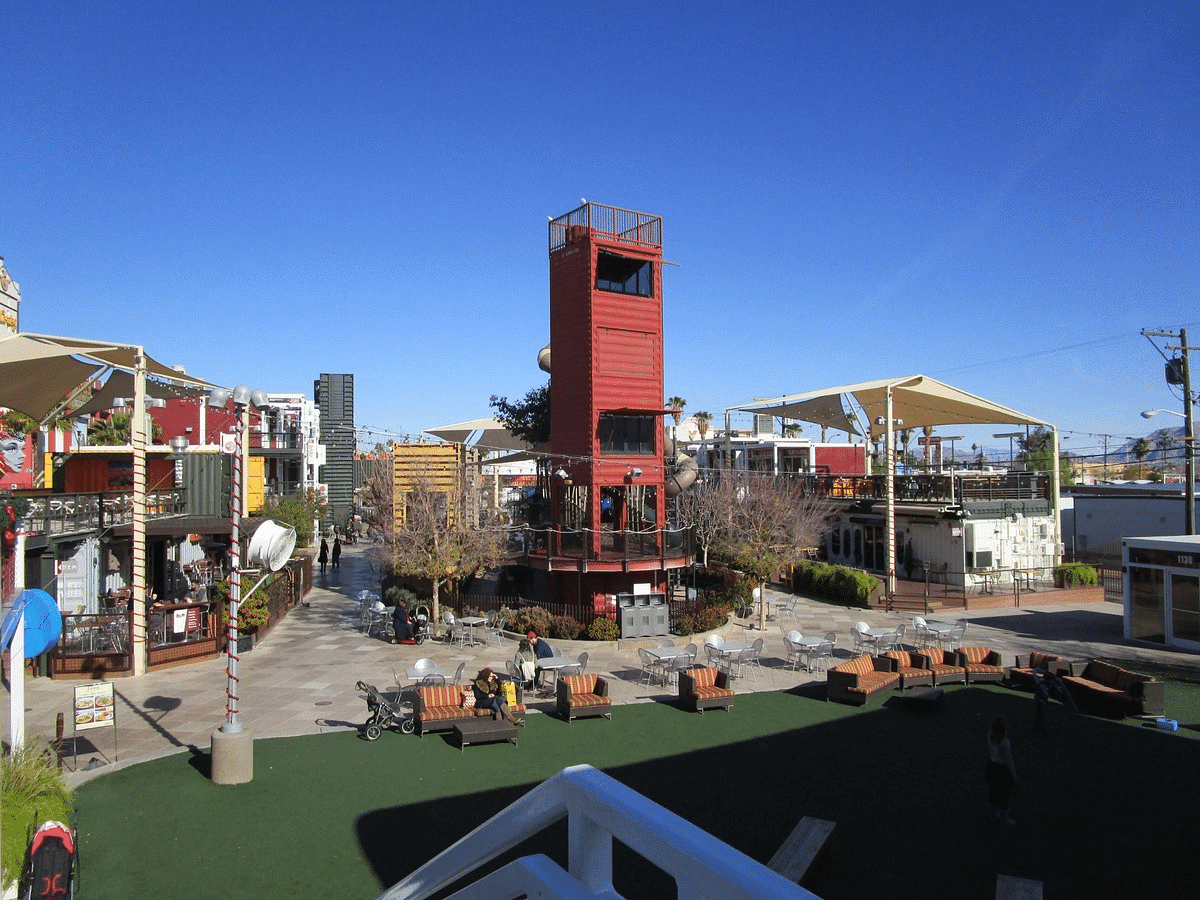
[(253, 613)]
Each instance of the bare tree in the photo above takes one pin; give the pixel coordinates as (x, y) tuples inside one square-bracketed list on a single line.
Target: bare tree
[(705, 509), (761, 523), (428, 533)]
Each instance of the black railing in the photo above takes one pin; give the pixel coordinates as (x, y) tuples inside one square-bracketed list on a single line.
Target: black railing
[(66, 513)]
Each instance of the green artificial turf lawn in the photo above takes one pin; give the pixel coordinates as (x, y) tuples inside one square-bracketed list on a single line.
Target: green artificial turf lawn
[(1103, 808)]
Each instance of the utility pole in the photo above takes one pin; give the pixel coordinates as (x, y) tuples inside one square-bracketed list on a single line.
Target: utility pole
[(1178, 371)]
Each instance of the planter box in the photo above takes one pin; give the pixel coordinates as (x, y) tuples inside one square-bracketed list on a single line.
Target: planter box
[(245, 643)]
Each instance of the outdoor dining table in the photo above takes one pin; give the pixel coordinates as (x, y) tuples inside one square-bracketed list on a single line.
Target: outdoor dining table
[(471, 622), (937, 630), (419, 675), (553, 664), (665, 654)]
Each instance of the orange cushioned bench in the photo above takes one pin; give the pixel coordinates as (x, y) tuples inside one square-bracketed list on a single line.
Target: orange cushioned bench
[(1021, 675), (1111, 690), (982, 664), (912, 674), (704, 687), (860, 679), (582, 695), (941, 663), (439, 708)]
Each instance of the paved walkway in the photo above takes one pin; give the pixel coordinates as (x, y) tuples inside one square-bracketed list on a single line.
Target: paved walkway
[(300, 679)]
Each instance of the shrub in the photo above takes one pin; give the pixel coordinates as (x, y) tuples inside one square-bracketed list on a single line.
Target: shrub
[(1075, 575), (565, 627), (603, 629), (704, 616), (31, 788), (840, 584), (530, 618)]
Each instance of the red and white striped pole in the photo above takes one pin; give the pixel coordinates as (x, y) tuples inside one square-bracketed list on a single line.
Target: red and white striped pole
[(232, 725)]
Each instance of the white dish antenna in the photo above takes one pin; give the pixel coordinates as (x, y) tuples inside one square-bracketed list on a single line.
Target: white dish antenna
[(272, 544)]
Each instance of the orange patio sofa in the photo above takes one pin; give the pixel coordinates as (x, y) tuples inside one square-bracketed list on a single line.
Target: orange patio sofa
[(941, 663), (983, 664), (1021, 675), (438, 708), (582, 695), (858, 680), (704, 687), (912, 673), (1111, 690)]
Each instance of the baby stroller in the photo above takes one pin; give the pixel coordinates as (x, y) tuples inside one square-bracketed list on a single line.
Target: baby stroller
[(51, 863), (419, 629), (383, 714)]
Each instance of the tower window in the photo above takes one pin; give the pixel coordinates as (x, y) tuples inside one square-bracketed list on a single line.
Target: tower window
[(627, 434), (623, 275)]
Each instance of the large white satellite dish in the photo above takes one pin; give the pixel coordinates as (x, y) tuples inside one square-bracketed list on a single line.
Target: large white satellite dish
[(271, 546)]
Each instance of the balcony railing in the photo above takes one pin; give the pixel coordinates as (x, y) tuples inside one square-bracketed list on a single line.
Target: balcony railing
[(932, 488), (613, 545), (66, 513)]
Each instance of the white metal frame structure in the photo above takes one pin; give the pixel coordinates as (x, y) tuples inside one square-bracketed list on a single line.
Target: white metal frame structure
[(597, 809)]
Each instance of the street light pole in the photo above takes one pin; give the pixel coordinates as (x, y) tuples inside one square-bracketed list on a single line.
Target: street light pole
[(1189, 516), (1189, 460), (232, 746)]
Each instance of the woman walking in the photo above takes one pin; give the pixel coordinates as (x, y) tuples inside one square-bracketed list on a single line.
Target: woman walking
[(323, 556), (1000, 771)]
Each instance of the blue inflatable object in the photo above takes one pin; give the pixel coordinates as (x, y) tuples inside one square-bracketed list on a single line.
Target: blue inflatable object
[(43, 622)]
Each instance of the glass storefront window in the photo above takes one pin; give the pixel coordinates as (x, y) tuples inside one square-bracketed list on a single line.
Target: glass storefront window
[(1147, 605), (1185, 607)]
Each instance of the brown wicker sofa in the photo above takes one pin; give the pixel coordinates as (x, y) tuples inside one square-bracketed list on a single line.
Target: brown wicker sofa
[(582, 695), (941, 663), (912, 674), (704, 687), (438, 708), (982, 664), (858, 680), (1111, 690), (1021, 674)]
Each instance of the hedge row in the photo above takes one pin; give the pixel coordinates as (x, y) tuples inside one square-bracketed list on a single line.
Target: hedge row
[(837, 583)]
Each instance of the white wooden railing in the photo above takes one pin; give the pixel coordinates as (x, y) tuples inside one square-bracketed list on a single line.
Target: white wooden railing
[(597, 809)]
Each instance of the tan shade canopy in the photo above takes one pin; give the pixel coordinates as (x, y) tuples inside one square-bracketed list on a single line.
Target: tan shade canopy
[(120, 384), (492, 435), (38, 372), (916, 399)]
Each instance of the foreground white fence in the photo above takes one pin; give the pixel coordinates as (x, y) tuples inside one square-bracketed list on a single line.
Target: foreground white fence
[(597, 809)]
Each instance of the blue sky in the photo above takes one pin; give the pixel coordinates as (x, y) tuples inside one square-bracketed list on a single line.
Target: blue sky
[(999, 195)]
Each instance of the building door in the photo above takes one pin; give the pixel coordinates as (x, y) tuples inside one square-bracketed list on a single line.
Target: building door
[(1185, 610), (1147, 605)]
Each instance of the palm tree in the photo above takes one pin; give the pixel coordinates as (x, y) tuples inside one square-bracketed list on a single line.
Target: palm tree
[(702, 419), (927, 431), (676, 405), (1141, 450), (1165, 442)]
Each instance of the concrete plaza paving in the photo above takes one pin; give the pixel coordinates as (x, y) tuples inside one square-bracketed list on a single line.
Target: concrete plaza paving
[(301, 678)]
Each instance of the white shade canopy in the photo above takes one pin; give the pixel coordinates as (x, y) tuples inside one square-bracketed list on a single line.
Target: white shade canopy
[(918, 400)]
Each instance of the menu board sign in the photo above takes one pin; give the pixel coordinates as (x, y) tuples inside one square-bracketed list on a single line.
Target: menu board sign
[(94, 706)]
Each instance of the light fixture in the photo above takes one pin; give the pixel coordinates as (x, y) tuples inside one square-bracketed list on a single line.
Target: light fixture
[(179, 445), (151, 402), (1151, 413), (635, 473)]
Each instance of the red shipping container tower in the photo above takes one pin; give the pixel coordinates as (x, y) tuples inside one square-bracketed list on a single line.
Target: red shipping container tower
[(606, 400)]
